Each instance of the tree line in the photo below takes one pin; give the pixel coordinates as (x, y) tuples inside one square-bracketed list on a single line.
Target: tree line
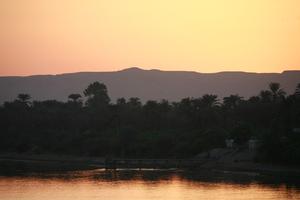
[(91, 125)]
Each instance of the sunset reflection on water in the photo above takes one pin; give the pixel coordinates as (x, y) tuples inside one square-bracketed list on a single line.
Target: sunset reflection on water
[(142, 185)]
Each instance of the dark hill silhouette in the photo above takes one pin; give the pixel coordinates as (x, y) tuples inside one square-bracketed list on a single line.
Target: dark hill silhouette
[(146, 84)]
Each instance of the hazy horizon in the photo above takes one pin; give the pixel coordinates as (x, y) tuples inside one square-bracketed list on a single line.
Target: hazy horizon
[(149, 69)]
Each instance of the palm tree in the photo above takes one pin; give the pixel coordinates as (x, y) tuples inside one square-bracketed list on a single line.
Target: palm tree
[(24, 98), (209, 100), (232, 101), (265, 96), (276, 91)]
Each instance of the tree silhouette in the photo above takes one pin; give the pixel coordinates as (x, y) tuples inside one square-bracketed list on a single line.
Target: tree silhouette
[(297, 91), (121, 101), (24, 98), (155, 129), (266, 96), (135, 102), (276, 91), (209, 100), (97, 95), (254, 99), (232, 101), (74, 97)]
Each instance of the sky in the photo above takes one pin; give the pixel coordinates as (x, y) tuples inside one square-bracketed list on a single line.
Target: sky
[(62, 36)]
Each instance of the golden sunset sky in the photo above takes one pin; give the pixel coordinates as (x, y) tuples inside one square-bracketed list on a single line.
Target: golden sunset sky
[(59, 36)]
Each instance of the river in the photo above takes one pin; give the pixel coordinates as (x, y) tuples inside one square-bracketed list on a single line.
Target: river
[(146, 185)]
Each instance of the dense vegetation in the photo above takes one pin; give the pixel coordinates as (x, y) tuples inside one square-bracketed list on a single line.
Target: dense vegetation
[(93, 126)]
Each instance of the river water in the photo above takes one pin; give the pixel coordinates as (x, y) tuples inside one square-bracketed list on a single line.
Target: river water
[(146, 185)]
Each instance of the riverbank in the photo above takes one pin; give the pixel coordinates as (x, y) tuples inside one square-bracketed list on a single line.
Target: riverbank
[(11, 163), (253, 169)]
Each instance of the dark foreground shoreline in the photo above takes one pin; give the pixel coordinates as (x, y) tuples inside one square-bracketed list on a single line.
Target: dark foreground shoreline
[(11, 164)]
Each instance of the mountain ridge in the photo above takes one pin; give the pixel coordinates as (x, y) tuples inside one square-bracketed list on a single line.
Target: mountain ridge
[(158, 70), (147, 84)]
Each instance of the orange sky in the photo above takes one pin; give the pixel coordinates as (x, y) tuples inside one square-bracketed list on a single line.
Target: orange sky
[(57, 36)]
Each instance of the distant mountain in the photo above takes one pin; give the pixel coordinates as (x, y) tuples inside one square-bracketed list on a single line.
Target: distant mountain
[(146, 84)]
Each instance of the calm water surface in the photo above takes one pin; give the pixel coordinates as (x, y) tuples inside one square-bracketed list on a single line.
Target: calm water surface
[(145, 185)]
